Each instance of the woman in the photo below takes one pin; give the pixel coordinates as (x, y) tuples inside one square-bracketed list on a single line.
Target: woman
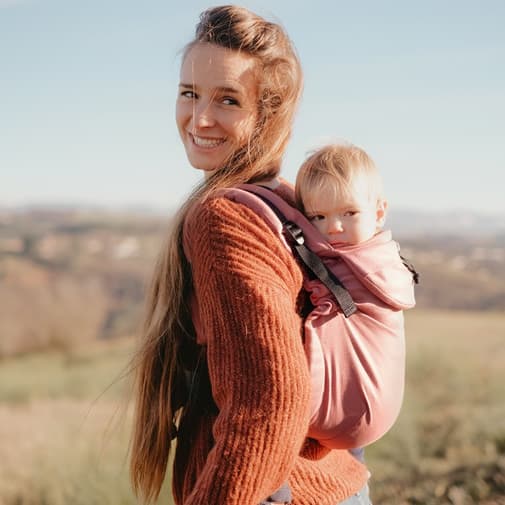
[(225, 309)]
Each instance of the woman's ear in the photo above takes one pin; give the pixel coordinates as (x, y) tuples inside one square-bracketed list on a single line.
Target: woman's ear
[(382, 206)]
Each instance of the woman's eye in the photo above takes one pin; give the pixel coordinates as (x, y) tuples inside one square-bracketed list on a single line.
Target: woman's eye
[(229, 101), (188, 94)]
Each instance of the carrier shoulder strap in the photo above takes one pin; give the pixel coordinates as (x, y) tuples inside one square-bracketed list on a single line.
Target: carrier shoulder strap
[(314, 264), (410, 267)]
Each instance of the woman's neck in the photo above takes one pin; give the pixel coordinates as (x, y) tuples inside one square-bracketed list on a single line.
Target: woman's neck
[(271, 184)]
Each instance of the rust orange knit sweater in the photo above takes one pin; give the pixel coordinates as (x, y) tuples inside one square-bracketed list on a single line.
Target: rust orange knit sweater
[(246, 288)]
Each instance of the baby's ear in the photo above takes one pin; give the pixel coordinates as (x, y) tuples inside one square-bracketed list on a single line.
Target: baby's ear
[(382, 206)]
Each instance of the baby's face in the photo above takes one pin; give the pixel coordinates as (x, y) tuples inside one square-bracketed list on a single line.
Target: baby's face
[(348, 219)]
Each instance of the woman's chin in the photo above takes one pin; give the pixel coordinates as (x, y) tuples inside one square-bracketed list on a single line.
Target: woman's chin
[(206, 164), (209, 172), (200, 163)]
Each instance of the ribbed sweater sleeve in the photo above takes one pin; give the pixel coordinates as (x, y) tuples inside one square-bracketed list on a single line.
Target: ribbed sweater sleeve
[(246, 285)]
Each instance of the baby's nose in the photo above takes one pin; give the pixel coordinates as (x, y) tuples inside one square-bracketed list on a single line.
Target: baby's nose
[(335, 225)]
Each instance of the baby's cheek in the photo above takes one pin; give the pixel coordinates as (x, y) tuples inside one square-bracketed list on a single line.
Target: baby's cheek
[(319, 226)]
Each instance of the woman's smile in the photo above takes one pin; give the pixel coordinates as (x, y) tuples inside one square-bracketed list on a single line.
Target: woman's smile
[(207, 142)]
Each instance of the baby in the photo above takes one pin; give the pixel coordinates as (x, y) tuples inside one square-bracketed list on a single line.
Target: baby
[(356, 363), (339, 190)]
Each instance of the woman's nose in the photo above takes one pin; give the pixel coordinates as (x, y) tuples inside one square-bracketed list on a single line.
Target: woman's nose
[(202, 115)]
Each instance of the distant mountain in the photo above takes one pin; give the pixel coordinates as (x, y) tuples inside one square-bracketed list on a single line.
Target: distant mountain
[(404, 222), (57, 260), (413, 223)]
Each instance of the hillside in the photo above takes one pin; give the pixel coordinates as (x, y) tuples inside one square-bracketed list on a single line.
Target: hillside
[(70, 275)]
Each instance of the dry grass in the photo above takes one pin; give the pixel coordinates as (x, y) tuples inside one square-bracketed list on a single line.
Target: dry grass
[(448, 443), (63, 454), (61, 443), (65, 427)]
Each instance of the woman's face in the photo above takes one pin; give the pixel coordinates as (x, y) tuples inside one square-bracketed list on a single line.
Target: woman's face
[(217, 104)]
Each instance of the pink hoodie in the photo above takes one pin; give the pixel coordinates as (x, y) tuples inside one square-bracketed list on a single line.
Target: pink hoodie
[(357, 364)]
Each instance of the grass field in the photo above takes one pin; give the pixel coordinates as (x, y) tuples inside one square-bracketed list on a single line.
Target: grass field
[(64, 432), (448, 444)]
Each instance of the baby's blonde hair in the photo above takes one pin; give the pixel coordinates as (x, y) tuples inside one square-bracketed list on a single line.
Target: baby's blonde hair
[(336, 167)]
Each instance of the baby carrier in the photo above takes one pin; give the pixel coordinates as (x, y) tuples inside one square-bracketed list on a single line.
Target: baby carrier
[(354, 335)]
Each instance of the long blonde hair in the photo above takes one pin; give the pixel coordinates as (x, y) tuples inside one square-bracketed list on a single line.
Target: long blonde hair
[(167, 347)]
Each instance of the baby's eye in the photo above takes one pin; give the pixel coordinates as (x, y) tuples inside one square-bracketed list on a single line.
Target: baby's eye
[(317, 217), (351, 213)]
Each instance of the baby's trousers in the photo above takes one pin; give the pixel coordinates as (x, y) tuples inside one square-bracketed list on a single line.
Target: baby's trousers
[(283, 495)]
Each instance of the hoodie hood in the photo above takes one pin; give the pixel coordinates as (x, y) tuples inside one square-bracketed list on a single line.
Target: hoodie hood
[(377, 264)]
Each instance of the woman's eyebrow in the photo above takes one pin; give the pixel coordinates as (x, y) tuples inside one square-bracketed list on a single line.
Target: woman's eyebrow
[(221, 89), (228, 89)]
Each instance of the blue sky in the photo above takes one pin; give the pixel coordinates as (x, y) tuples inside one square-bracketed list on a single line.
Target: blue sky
[(87, 93)]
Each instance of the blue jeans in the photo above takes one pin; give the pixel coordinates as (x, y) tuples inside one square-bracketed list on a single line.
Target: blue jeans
[(360, 498)]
